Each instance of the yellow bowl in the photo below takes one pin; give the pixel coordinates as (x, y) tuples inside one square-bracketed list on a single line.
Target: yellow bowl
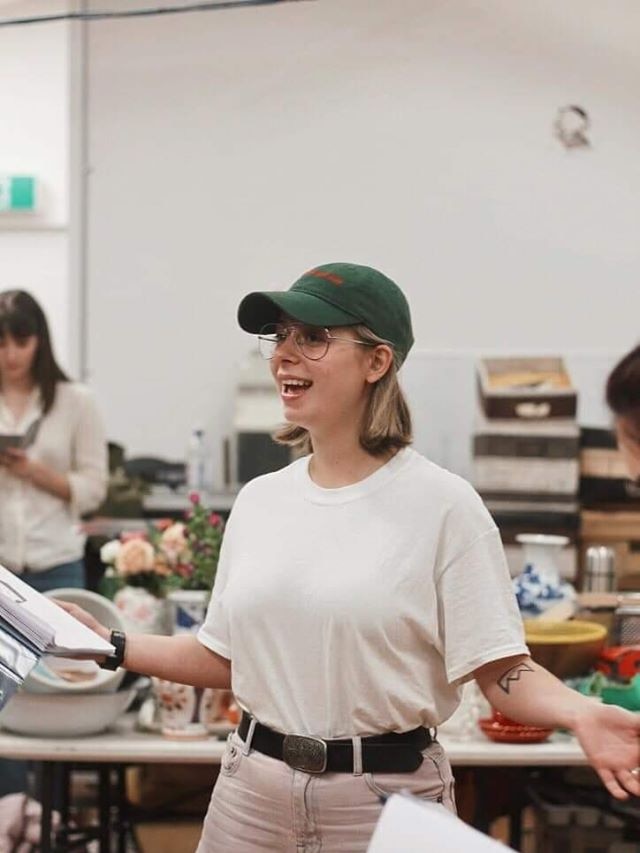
[(567, 649)]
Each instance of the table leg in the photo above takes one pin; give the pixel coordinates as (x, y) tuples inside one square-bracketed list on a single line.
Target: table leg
[(46, 799), (104, 812), (65, 793), (121, 809), (515, 826)]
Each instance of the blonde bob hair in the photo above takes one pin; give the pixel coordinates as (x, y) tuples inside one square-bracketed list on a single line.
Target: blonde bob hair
[(386, 424)]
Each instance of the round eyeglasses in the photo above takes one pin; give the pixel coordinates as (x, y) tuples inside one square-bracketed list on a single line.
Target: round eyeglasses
[(311, 341)]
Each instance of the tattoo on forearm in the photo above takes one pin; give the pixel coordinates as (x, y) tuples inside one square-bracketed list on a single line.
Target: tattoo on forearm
[(512, 675)]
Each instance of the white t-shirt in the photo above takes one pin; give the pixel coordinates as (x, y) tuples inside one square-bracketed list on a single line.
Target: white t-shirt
[(361, 609), (37, 529)]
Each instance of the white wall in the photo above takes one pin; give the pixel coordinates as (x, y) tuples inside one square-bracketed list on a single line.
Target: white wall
[(232, 150), (34, 140)]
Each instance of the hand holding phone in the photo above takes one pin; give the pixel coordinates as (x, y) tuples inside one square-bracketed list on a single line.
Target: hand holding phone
[(7, 441), (16, 461), (20, 441)]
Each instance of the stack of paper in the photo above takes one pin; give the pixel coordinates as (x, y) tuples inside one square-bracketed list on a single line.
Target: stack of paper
[(31, 625), (411, 825)]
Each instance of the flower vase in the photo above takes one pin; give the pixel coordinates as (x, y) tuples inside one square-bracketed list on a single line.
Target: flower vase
[(142, 612), (183, 711), (540, 586), (187, 609)]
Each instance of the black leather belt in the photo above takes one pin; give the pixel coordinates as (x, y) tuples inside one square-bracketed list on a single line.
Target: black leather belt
[(387, 753)]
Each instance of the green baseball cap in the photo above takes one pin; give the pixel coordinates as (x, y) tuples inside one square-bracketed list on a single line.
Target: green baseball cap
[(337, 294)]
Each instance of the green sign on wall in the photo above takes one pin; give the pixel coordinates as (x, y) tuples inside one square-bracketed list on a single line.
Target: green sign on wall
[(17, 193)]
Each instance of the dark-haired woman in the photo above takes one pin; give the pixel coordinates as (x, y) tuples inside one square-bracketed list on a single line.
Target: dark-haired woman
[(623, 397), (58, 472)]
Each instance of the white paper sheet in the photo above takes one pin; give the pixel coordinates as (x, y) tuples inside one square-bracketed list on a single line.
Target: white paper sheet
[(43, 623), (409, 825)]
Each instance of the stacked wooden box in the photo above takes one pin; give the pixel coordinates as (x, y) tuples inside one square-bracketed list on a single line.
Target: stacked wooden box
[(610, 504), (526, 447)]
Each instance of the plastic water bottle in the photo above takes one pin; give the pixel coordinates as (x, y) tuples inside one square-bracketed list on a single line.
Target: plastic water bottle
[(196, 461)]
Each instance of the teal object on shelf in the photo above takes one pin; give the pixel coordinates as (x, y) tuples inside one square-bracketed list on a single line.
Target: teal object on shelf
[(17, 193), (625, 695)]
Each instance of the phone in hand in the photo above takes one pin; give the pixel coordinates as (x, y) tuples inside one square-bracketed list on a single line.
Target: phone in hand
[(20, 441), (7, 441)]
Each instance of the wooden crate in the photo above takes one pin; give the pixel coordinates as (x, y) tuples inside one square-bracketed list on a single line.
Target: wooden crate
[(530, 388)]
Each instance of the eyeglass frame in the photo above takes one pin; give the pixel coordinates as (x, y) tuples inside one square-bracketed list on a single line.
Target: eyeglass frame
[(291, 326)]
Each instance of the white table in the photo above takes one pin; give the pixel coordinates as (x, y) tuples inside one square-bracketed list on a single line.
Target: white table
[(123, 745)]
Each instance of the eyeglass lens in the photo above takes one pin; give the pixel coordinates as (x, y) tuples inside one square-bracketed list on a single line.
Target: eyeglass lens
[(311, 341)]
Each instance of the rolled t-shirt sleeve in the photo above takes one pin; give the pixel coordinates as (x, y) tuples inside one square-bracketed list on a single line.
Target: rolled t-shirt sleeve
[(479, 620), (215, 632)]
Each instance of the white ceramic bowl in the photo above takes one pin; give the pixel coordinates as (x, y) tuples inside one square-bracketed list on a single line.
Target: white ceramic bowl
[(63, 715), (42, 679)]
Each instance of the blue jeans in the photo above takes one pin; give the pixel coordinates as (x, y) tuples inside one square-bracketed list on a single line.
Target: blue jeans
[(57, 577), (13, 774)]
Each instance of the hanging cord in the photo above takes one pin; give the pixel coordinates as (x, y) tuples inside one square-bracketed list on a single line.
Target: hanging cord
[(140, 13)]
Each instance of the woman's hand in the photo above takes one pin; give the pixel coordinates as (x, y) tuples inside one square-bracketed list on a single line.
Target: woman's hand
[(17, 463), (610, 738), (608, 735), (86, 618)]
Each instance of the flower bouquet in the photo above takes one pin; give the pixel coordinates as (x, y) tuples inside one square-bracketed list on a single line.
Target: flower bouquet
[(169, 556)]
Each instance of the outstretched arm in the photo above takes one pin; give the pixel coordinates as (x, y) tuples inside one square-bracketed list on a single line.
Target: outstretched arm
[(609, 736), (180, 658)]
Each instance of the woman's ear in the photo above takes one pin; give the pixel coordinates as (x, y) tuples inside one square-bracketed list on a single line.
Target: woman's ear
[(380, 360)]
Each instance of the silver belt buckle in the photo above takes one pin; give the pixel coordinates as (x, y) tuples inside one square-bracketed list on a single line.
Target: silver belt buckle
[(308, 754)]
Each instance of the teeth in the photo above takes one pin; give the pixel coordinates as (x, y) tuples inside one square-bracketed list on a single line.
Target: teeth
[(301, 383)]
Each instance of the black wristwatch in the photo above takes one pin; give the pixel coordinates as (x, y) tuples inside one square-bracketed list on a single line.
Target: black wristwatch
[(118, 640)]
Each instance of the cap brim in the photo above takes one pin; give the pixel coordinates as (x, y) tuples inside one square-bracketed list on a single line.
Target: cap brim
[(258, 309)]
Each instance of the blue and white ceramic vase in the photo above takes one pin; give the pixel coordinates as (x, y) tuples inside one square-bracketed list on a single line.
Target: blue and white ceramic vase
[(188, 608), (540, 586)]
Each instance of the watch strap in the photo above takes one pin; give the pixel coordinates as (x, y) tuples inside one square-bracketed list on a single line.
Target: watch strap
[(118, 640)]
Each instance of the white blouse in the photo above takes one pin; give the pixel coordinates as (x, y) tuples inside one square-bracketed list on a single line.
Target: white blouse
[(39, 530)]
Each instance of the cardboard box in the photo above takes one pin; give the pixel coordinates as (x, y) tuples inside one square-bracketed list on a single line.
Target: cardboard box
[(163, 837)]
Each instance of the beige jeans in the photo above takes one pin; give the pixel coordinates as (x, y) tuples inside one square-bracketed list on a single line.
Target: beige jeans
[(260, 804)]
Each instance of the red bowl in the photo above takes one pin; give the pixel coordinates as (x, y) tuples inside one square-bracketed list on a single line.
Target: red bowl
[(514, 732)]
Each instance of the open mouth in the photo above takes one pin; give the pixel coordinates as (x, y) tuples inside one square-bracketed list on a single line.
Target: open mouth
[(292, 388)]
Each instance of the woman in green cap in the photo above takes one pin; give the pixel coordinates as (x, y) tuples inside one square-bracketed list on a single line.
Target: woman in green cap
[(358, 589)]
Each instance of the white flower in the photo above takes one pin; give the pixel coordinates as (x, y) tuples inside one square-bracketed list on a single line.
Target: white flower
[(109, 551)]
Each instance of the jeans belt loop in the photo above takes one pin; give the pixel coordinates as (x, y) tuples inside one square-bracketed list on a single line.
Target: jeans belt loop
[(247, 744), (357, 755)]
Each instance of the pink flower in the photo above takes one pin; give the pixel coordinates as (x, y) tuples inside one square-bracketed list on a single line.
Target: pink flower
[(194, 497), (162, 523), (184, 570), (215, 520), (136, 555), (173, 541)]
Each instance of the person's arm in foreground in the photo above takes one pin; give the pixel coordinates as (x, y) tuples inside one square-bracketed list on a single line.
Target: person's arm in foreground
[(180, 658), (609, 735)]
